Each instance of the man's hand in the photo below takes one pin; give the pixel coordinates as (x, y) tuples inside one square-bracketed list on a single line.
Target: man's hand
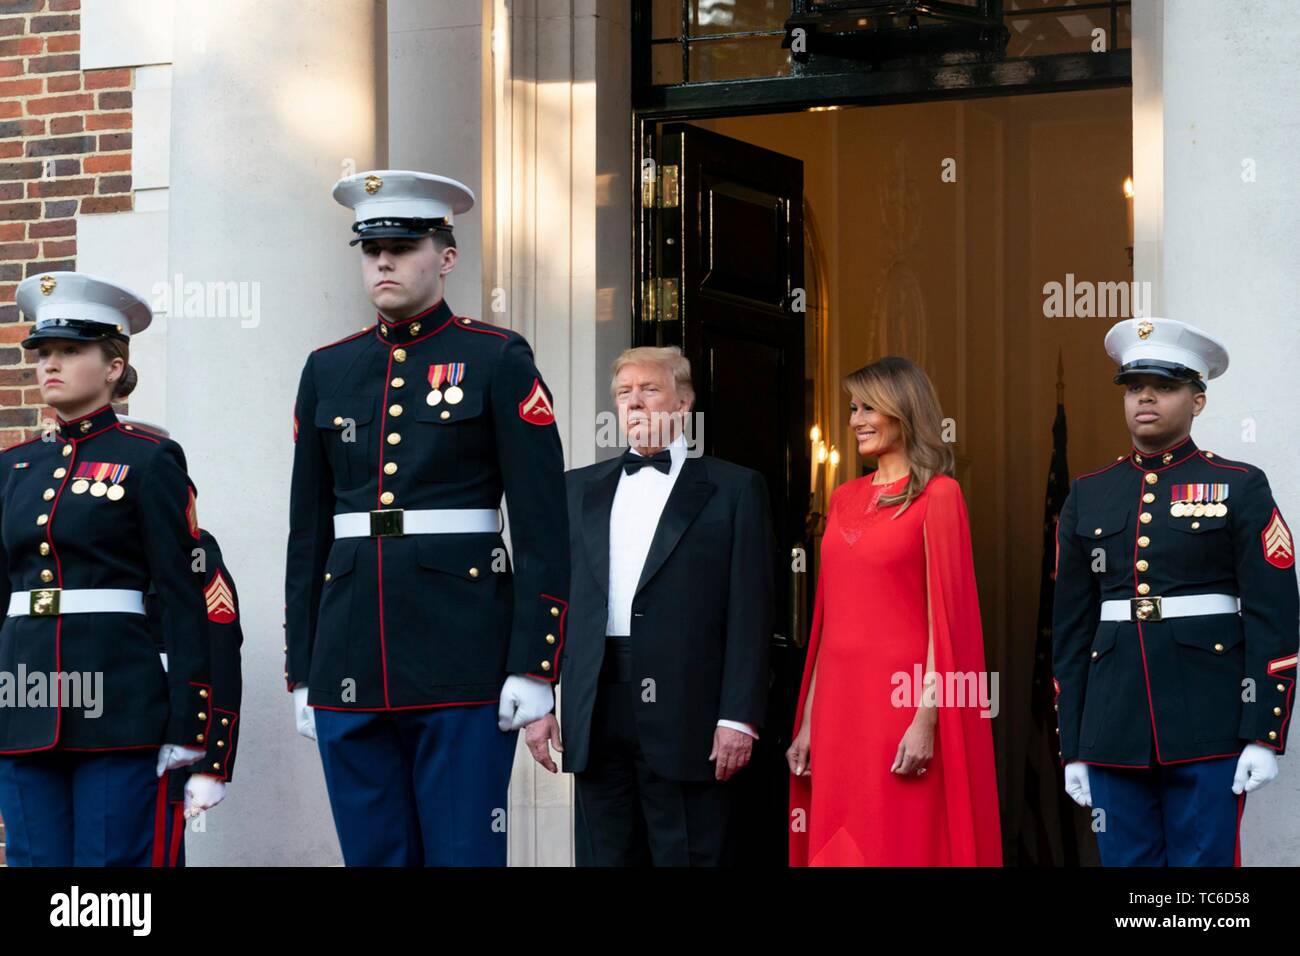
[(304, 716), (540, 736), (731, 751), (202, 792), (1255, 767), (1076, 783)]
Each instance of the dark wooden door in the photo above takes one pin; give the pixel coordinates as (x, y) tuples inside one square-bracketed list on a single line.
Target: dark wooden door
[(722, 273)]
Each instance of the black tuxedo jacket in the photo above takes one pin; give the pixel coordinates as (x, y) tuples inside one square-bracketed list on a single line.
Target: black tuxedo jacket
[(701, 618)]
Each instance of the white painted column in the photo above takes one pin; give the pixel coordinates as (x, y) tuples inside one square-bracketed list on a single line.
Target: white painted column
[(272, 101), (1216, 163)]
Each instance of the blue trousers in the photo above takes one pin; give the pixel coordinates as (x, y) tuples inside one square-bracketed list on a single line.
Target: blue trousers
[(63, 808), (418, 787), (1168, 815)]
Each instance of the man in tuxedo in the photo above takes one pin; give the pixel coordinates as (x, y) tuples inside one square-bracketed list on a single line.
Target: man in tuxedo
[(666, 659)]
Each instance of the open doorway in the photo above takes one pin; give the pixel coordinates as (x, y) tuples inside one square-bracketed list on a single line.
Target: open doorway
[(932, 230)]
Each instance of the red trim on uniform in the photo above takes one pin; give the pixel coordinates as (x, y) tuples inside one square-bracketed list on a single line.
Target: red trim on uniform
[(393, 324), (123, 747), (1163, 451), (1219, 464), (471, 328), (1236, 848), (1172, 464), (1142, 647), (59, 418), (380, 710), (135, 433), (553, 676), (1126, 766), (1099, 471), (160, 821), (178, 831), (409, 342), (354, 335), (19, 444)]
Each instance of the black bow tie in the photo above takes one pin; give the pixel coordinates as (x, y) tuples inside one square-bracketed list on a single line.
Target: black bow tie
[(661, 460)]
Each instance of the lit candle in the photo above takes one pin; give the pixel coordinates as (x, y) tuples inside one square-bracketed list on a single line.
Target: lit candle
[(830, 471), (816, 435), (1128, 201)]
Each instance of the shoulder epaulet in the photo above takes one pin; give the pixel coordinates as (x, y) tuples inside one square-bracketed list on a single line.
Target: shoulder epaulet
[(1221, 462), (473, 325), (140, 433), (1102, 471), (349, 338)]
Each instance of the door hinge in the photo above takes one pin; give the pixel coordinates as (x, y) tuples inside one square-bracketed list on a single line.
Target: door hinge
[(659, 191), (659, 303)]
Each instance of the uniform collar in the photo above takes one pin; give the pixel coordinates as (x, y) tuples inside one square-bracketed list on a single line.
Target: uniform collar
[(89, 424), (417, 326), (1164, 458)]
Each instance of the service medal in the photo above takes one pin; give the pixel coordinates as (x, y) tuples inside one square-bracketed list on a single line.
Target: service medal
[(115, 492), (455, 374), (79, 486), (437, 373)]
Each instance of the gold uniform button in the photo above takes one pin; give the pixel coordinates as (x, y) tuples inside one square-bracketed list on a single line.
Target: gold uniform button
[(473, 572), (1143, 565), (67, 450), (129, 428), (415, 328), (1218, 648), (1144, 588), (221, 743), (394, 410), (1209, 454), (394, 438), (41, 519), (1281, 688), (1152, 477), (1145, 517), (1148, 498), (1058, 731), (398, 382), (1096, 531), (546, 665), (203, 693), (550, 638), (338, 419), (445, 415), (1272, 735), (216, 765), (383, 330), (390, 468), (1277, 711), (1094, 655), (85, 427), (386, 498), (60, 472), (464, 321), (1166, 458), (203, 715), (1195, 525), (328, 576), (555, 612), (399, 355), (45, 548), (47, 494), (225, 721), (47, 575), (199, 738)]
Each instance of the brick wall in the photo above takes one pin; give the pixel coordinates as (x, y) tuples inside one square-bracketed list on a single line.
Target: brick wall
[(65, 151)]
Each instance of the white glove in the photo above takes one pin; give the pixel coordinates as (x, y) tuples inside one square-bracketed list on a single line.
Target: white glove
[(1255, 767), (304, 715), (523, 700), (171, 756), (203, 792), (1076, 783)]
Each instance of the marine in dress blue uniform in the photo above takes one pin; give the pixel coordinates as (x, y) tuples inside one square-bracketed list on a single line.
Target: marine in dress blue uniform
[(91, 512), (1175, 629), (405, 619)]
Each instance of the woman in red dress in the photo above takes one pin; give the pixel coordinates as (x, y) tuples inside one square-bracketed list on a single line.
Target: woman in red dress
[(884, 772)]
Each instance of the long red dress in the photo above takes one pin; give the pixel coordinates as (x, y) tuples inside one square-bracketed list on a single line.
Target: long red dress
[(878, 577)]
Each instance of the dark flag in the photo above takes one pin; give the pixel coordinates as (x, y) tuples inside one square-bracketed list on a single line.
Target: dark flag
[(1047, 822)]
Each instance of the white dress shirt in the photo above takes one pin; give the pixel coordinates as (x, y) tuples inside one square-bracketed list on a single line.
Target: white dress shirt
[(639, 502)]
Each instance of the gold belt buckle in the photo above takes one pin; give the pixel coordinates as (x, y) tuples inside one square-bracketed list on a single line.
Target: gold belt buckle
[(1144, 609), (385, 522), (44, 602)]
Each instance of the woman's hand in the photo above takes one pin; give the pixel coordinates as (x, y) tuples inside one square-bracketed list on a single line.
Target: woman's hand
[(797, 755), (917, 746)]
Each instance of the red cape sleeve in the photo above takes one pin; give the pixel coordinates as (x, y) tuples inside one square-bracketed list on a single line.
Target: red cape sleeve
[(964, 737)]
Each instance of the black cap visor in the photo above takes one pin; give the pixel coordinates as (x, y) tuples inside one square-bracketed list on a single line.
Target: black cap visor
[(1170, 370), (78, 330), (396, 229)]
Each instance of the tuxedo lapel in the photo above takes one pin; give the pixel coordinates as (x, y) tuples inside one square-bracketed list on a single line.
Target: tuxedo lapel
[(688, 496), (597, 502)]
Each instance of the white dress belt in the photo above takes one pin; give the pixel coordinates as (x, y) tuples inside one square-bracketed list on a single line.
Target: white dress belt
[(398, 521), (1187, 605), (50, 602)]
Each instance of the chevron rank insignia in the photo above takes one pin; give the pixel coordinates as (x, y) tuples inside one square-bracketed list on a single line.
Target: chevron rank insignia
[(221, 600), (1279, 549), (536, 409)]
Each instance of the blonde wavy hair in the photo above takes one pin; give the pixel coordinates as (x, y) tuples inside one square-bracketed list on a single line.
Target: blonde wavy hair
[(899, 388)]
